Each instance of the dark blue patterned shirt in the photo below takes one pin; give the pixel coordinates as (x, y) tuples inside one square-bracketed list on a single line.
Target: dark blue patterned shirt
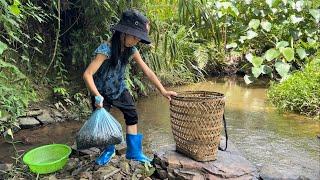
[(110, 80)]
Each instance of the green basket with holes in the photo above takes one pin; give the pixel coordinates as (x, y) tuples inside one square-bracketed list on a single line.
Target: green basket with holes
[(48, 158)]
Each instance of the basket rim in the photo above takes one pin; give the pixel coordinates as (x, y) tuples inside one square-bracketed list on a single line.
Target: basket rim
[(44, 147), (209, 95)]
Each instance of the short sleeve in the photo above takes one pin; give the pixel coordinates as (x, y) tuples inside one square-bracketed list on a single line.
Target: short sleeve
[(103, 49)]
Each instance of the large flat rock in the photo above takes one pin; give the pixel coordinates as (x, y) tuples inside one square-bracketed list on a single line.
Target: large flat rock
[(230, 164)]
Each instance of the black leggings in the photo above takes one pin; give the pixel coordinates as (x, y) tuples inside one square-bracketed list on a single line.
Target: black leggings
[(125, 103)]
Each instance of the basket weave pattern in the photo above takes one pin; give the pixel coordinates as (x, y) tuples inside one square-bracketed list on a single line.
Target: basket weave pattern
[(196, 118)]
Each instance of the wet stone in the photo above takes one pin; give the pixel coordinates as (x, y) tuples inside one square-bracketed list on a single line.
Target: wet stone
[(46, 118), (28, 122)]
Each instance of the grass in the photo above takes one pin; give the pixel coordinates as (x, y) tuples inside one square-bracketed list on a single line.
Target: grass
[(300, 92)]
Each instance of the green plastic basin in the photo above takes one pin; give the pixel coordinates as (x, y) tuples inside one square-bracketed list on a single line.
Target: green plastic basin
[(48, 158)]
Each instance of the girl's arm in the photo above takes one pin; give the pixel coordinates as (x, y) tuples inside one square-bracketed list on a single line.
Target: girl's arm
[(90, 71), (151, 76)]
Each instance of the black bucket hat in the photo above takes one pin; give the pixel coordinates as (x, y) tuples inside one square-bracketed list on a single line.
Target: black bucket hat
[(134, 23)]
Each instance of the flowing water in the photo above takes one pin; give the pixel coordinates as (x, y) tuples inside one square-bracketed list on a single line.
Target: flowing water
[(286, 142)]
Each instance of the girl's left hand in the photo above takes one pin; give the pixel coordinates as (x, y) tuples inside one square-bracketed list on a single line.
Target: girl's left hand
[(168, 94)]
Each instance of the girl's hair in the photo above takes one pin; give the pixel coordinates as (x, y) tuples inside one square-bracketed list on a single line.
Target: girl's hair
[(116, 54)]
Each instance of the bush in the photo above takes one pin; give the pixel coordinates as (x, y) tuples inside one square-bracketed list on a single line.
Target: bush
[(300, 92), (15, 94)]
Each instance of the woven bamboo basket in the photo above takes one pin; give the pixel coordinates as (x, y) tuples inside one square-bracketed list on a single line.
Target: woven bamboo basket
[(196, 122)]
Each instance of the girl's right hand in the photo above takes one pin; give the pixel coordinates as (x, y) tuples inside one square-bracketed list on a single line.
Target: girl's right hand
[(98, 101)]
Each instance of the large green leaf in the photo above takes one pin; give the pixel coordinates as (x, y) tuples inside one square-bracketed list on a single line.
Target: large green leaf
[(315, 14), (256, 71), (266, 25), (282, 68), (257, 61), (299, 5), (248, 79), (270, 2), (266, 69), (14, 9), (243, 38), (3, 47), (301, 52), (251, 34), (254, 23), (231, 45), (282, 44), (249, 57), (273, 3), (294, 19), (272, 54), (288, 53)]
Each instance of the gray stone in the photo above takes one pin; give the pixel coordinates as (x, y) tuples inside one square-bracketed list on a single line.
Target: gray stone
[(5, 167), (91, 151), (52, 177), (46, 118), (121, 149), (105, 172), (57, 114), (34, 112), (229, 164), (171, 176), (118, 176), (28, 122)]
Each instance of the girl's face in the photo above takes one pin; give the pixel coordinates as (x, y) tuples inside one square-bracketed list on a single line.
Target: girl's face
[(130, 40)]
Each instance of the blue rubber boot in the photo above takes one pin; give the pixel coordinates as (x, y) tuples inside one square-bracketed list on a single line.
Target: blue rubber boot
[(134, 148), (106, 155)]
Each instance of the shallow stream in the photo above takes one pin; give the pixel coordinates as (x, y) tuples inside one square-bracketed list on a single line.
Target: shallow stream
[(286, 142)]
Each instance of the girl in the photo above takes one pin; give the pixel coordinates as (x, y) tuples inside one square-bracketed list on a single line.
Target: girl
[(104, 78)]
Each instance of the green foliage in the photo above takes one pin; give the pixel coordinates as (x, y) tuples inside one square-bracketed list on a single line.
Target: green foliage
[(209, 21), (96, 18), (78, 103), (175, 53), (300, 92), (15, 94), (82, 106), (277, 31)]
